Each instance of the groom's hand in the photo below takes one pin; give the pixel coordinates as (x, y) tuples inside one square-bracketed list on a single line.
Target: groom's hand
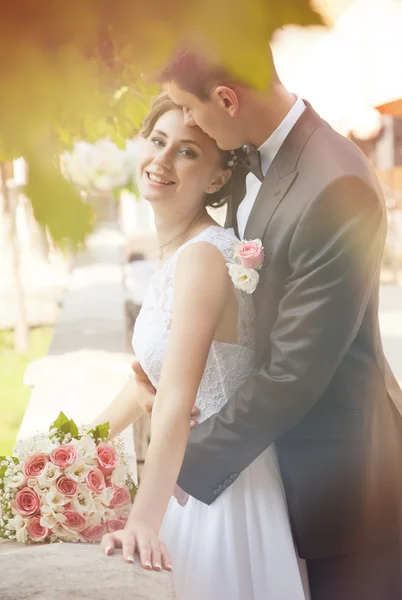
[(147, 393)]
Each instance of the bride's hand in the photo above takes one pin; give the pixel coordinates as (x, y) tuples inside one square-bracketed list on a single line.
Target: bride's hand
[(143, 539)]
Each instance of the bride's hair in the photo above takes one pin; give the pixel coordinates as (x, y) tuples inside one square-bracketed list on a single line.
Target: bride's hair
[(163, 104)]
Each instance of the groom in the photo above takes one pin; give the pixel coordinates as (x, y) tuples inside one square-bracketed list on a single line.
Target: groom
[(322, 389)]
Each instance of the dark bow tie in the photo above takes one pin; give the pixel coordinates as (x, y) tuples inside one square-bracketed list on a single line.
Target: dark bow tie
[(250, 158)]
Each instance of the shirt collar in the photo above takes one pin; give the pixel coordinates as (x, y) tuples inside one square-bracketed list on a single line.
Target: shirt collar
[(271, 146)]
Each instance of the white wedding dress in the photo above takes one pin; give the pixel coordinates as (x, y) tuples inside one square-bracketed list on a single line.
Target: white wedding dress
[(240, 547)]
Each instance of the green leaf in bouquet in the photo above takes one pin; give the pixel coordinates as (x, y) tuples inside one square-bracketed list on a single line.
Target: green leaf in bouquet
[(132, 488), (100, 431), (59, 422), (104, 430), (71, 428)]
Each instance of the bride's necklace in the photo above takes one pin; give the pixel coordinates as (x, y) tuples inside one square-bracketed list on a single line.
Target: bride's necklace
[(192, 223)]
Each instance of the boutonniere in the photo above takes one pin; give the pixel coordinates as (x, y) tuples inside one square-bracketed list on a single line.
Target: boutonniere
[(247, 260)]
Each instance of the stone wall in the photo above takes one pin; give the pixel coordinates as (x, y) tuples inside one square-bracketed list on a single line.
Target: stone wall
[(87, 364)]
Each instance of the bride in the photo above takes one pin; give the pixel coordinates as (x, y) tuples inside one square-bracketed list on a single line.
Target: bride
[(194, 337)]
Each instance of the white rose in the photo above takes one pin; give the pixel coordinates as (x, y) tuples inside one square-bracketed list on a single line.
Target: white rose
[(78, 470), (64, 534), (83, 501), (243, 279), (15, 480), (55, 499), (49, 475), (119, 476)]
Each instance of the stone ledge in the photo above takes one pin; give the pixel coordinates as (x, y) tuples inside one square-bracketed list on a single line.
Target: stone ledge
[(75, 572)]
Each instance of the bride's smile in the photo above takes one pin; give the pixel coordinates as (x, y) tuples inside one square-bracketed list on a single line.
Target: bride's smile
[(178, 162)]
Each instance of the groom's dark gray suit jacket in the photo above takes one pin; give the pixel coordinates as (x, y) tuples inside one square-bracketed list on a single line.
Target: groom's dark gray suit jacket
[(322, 389)]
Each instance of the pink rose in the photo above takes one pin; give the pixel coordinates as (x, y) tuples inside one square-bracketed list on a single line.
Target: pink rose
[(75, 520), (114, 525), (107, 458), (67, 486), (94, 533), (36, 532), (26, 502), (96, 480), (251, 254), (34, 465), (63, 456), (120, 498)]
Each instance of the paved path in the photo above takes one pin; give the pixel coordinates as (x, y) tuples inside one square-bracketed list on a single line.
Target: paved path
[(87, 362)]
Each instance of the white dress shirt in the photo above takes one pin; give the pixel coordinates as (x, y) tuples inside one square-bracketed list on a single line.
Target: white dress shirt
[(268, 150)]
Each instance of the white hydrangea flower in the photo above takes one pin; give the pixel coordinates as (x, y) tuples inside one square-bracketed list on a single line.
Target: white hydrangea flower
[(243, 279)]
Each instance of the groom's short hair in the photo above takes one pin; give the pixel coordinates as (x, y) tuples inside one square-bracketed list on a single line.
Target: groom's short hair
[(195, 74)]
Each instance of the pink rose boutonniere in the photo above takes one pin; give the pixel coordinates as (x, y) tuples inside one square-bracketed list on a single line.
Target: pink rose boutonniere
[(248, 257)]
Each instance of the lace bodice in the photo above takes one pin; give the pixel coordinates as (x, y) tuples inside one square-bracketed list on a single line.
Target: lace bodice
[(228, 365)]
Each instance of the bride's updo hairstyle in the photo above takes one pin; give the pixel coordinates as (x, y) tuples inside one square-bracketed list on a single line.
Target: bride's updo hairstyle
[(163, 104)]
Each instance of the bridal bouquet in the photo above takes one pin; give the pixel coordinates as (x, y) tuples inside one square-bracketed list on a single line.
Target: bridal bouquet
[(100, 167), (70, 485)]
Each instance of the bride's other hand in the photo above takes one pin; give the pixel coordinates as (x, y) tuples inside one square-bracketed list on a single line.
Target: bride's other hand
[(146, 393), (140, 538)]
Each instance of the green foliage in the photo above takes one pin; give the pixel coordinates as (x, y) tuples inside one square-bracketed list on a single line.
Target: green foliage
[(100, 432), (75, 70), (64, 425), (14, 394)]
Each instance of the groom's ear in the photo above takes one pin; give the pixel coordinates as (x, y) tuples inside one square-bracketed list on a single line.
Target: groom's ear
[(227, 99)]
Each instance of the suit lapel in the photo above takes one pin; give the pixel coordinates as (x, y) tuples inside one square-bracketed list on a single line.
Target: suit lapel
[(271, 193), (281, 175), (239, 187)]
